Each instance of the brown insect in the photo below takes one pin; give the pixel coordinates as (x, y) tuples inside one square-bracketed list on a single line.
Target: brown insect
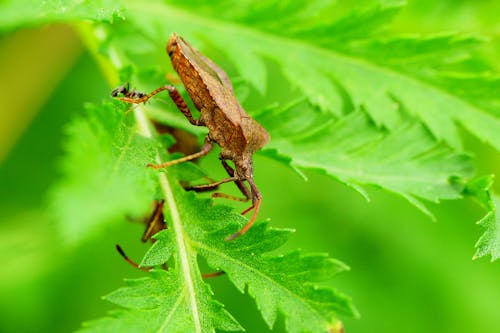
[(229, 125)]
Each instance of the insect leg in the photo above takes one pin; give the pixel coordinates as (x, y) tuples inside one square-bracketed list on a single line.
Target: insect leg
[(213, 274), (182, 106), (240, 183), (204, 150), (228, 196), (213, 186), (174, 95), (145, 98), (130, 261), (241, 186), (208, 187), (256, 201), (203, 188)]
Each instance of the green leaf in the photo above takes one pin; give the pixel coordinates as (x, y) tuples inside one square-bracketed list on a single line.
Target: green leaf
[(341, 65), (160, 251), (284, 283), (179, 300), (15, 13), (162, 303), (104, 173), (106, 178), (489, 242), (338, 69), (406, 161), (368, 96)]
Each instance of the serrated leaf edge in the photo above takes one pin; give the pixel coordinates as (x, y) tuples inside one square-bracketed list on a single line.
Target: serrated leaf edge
[(269, 322)]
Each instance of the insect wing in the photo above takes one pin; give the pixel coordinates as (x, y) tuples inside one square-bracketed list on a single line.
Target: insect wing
[(206, 64)]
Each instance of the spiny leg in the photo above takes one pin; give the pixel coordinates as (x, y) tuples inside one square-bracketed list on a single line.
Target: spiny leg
[(207, 146), (256, 201), (182, 106), (174, 95), (254, 194), (133, 96), (213, 274), (145, 98), (228, 196), (239, 183), (209, 187), (215, 185)]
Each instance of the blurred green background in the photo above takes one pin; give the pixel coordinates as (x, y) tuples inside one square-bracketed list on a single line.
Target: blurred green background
[(408, 274)]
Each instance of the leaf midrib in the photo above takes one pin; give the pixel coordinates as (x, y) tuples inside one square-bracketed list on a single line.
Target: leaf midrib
[(182, 249)]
